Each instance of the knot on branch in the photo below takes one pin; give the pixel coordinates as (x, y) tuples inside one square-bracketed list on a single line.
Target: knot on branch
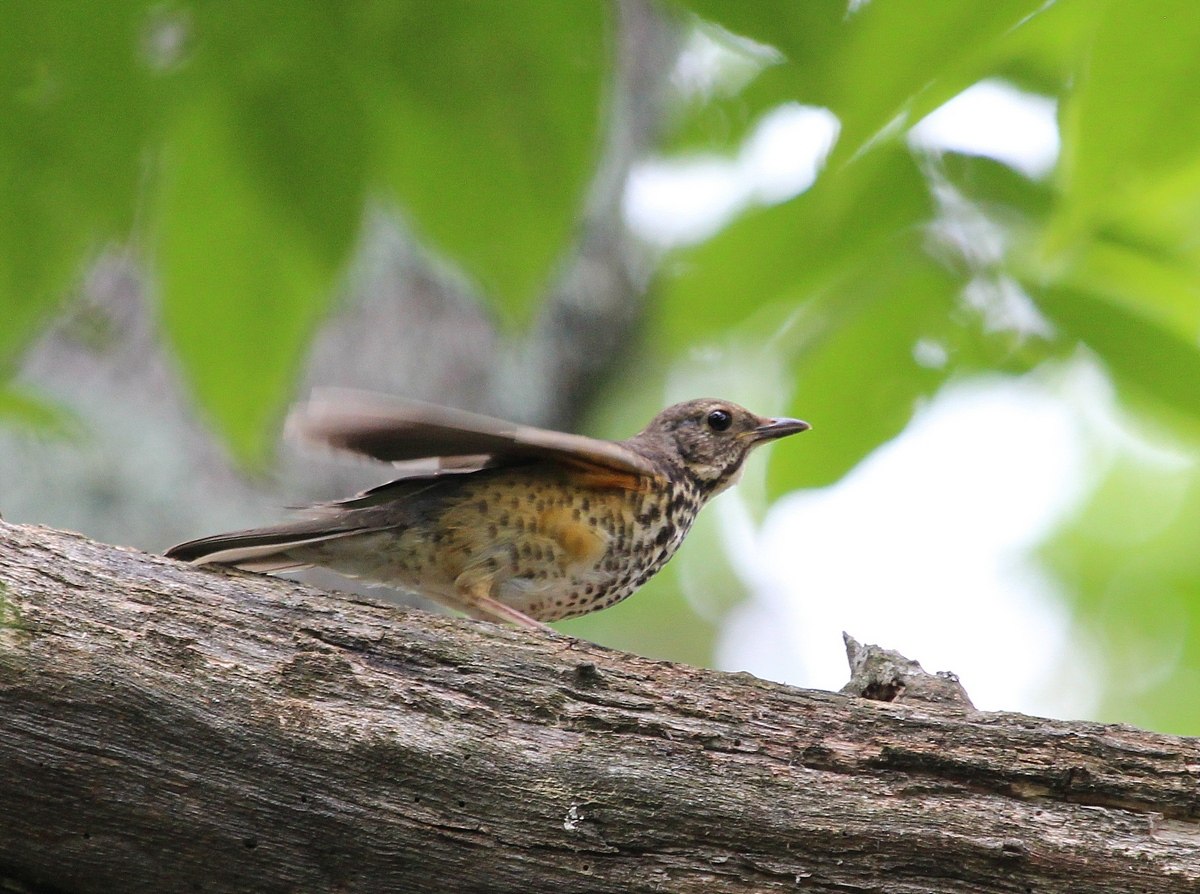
[(885, 675)]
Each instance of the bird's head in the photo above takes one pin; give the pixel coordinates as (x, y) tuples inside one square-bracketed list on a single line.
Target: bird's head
[(712, 438)]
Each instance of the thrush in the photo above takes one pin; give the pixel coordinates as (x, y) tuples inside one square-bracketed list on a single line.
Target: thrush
[(499, 520)]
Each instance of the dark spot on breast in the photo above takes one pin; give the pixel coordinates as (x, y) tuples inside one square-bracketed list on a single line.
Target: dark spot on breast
[(663, 535), (651, 515), (482, 506)]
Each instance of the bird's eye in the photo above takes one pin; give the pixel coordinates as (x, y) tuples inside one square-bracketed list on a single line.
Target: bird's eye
[(719, 420)]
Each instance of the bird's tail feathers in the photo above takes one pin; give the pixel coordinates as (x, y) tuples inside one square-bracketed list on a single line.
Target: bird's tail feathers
[(259, 549)]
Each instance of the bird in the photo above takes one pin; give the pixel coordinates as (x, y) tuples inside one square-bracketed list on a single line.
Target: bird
[(497, 520)]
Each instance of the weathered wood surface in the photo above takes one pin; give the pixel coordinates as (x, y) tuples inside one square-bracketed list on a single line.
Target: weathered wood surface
[(170, 729)]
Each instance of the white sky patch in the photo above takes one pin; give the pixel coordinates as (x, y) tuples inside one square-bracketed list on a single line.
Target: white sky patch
[(672, 202), (682, 201), (995, 120), (783, 156), (718, 62), (1005, 307), (930, 354), (924, 548)]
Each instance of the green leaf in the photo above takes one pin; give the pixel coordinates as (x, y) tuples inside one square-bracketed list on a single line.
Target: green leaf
[(1140, 353), (859, 380), (789, 252), (882, 64), (1135, 102), (1144, 283), (243, 281), (1041, 55), (808, 32), (297, 113), (1006, 196), (75, 100), (1129, 559), (901, 60), (1119, 263), (488, 120)]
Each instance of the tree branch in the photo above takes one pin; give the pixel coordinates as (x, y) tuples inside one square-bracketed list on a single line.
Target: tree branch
[(164, 728)]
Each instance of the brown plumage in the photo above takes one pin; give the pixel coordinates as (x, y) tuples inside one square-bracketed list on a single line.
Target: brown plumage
[(500, 520)]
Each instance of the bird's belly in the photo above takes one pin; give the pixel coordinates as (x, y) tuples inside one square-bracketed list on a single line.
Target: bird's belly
[(549, 549), (554, 549), (558, 590)]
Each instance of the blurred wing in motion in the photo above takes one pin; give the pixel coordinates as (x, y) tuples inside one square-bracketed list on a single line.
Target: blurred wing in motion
[(400, 431)]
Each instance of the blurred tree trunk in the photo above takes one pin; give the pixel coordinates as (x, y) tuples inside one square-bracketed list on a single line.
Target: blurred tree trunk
[(170, 729)]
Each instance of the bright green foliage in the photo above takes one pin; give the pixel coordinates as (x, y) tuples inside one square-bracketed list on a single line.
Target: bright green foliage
[(798, 248), (76, 105), (488, 137), (1111, 259), (1119, 263), (884, 66), (1107, 251), (243, 280), (1130, 559), (852, 254), (240, 143)]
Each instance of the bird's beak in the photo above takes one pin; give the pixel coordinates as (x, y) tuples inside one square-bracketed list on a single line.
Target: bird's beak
[(779, 428)]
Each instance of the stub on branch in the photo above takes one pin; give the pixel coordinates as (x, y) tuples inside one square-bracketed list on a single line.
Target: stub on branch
[(884, 675)]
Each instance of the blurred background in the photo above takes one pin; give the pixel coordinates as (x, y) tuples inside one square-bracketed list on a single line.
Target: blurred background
[(961, 239)]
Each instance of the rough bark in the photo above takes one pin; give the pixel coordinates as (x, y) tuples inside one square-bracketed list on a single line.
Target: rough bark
[(164, 728)]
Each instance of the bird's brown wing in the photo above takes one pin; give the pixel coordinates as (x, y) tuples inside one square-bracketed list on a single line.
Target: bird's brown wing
[(403, 431)]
